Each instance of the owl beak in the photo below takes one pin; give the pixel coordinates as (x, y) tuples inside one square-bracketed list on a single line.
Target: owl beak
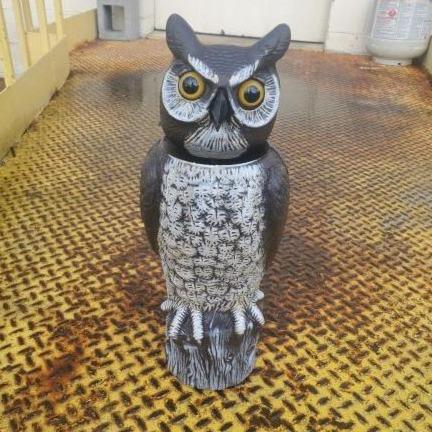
[(220, 109)]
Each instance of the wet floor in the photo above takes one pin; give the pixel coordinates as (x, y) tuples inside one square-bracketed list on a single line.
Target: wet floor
[(347, 344)]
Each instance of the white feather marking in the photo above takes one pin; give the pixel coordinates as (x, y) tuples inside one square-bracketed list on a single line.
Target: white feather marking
[(167, 305), (207, 141), (197, 324), (256, 314), (179, 107), (259, 295), (266, 111), (177, 321), (239, 320), (243, 74), (203, 69)]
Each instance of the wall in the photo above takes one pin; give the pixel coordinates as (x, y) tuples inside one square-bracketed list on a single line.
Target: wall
[(21, 102), (70, 8), (78, 29), (347, 27), (147, 16), (307, 18), (341, 24)]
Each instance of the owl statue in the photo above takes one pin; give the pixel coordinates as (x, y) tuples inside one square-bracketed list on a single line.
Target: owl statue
[(214, 197)]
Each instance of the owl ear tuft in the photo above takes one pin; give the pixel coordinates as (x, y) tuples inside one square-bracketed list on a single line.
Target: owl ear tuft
[(269, 49), (181, 38)]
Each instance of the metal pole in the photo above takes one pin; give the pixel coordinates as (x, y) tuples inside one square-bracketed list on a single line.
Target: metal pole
[(21, 33), (9, 75), (43, 25), (26, 10), (58, 8)]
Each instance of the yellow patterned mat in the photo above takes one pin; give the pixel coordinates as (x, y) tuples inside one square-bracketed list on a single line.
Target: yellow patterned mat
[(348, 339)]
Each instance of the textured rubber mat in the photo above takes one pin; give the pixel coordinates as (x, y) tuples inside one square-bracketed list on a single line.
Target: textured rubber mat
[(348, 339)]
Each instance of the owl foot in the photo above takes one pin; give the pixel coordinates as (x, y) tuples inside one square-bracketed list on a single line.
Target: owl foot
[(239, 314), (180, 315)]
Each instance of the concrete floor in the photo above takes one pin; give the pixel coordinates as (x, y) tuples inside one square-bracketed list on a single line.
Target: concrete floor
[(347, 344)]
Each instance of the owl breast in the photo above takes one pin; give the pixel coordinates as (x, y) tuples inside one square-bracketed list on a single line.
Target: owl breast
[(211, 233)]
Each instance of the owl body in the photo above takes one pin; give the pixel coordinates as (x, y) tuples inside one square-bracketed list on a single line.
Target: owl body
[(211, 233), (214, 193)]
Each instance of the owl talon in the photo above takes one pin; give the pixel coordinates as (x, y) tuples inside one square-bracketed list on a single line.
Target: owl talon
[(238, 312), (256, 313), (179, 318), (239, 320), (258, 296), (197, 325), (167, 305), (239, 315)]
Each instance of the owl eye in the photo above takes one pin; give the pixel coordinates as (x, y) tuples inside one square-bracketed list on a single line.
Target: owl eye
[(251, 94), (191, 85)]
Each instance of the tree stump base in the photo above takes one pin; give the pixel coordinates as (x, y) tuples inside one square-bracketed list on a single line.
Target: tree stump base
[(222, 359)]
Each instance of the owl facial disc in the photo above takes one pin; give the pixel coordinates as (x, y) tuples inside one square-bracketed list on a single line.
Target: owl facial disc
[(220, 101)]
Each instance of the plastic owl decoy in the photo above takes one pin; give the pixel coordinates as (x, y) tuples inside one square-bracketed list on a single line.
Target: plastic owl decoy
[(214, 198)]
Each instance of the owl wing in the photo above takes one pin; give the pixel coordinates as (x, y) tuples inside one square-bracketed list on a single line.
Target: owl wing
[(150, 193), (276, 197)]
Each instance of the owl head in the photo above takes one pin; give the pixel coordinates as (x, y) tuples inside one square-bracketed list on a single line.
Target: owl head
[(220, 101)]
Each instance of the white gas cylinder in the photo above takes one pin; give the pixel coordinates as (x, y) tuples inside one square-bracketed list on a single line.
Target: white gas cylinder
[(399, 30)]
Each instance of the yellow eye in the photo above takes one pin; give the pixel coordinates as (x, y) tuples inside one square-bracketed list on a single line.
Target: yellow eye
[(251, 94), (191, 85)]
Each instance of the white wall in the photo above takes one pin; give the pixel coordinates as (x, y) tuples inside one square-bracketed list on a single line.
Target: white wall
[(307, 18), (147, 16), (347, 27), (74, 7), (340, 24)]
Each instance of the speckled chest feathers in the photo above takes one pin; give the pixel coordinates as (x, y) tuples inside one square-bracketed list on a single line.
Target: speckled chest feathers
[(211, 233)]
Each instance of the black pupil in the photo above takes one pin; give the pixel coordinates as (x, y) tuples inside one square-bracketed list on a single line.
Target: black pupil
[(252, 94), (190, 85)]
